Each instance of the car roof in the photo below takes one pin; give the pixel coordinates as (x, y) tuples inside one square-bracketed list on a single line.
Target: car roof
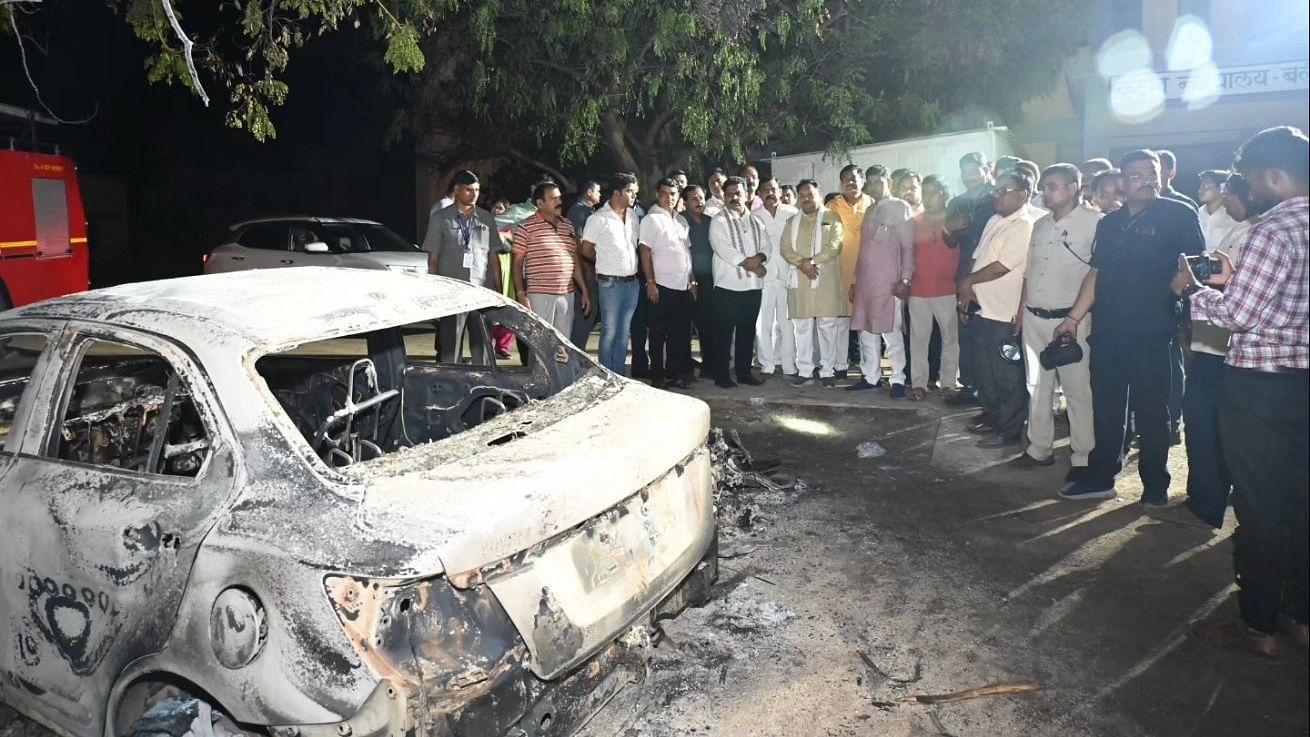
[(300, 219), (270, 309)]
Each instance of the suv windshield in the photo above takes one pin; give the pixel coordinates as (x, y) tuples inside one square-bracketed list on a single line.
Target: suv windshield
[(358, 397)]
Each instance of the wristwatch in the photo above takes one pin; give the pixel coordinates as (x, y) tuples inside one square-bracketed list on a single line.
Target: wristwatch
[(1191, 289)]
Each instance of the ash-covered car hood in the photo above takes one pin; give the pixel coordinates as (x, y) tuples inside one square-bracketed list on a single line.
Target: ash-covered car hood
[(468, 503)]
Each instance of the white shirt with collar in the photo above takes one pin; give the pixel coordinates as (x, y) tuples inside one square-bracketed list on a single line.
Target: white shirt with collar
[(734, 239), (712, 206), (774, 225), (669, 240), (1060, 256), (1216, 226), (615, 239)]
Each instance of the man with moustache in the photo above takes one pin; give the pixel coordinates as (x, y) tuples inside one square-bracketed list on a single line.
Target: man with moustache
[(463, 243), (545, 264), (610, 241), (1058, 260), (702, 267), (882, 282), (967, 216), (851, 207), (774, 339), (1132, 341), (740, 245), (811, 244), (665, 254)]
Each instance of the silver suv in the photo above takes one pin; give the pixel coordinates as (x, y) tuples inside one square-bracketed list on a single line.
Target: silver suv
[(279, 242)]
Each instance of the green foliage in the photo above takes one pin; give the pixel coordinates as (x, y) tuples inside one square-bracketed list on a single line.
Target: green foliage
[(650, 85), (403, 52)]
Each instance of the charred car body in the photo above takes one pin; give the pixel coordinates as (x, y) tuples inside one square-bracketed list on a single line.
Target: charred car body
[(262, 490)]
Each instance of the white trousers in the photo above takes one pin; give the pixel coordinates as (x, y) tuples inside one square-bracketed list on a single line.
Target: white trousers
[(1076, 382), (923, 311), (871, 351), (832, 331), (775, 344)]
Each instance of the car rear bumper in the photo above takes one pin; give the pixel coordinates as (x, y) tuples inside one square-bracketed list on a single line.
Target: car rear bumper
[(515, 702)]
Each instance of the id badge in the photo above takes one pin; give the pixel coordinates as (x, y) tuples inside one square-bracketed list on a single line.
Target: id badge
[(468, 259)]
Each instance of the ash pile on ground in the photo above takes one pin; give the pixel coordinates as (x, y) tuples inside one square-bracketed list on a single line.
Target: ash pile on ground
[(749, 491), (701, 652)]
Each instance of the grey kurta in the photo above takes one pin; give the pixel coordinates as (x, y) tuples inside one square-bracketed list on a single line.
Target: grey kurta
[(825, 298), (445, 238)]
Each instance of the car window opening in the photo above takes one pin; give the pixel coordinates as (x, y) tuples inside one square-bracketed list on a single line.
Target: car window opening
[(120, 399), (358, 397)]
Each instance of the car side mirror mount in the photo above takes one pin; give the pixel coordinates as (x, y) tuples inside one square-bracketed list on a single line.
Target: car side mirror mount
[(316, 247)]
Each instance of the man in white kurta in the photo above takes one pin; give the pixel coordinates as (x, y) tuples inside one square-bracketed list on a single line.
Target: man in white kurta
[(775, 344), (811, 246)]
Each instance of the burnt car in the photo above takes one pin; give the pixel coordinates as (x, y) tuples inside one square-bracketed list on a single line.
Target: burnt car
[(261, 492)]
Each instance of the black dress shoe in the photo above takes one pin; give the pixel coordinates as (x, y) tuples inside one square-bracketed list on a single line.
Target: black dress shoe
[(1025, 461), (997, 440), (725, 383), (641, 373), (750, 380), (661, 383), (962, 398)]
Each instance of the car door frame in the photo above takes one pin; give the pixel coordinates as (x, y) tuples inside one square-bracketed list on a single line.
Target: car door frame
[(268, 258), (10, 448), (135, 592)]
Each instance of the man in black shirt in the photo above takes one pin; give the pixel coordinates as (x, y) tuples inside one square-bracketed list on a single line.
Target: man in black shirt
[(588, 199), (1168, 172), (1177, 372), (702, 269), (966, 217), (1134, 330)]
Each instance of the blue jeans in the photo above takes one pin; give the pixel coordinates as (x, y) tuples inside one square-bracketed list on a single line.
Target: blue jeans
[(618, 300)]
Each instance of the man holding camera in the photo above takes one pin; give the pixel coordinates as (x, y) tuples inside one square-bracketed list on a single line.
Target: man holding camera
[(1137, 249), (1264, 404), (1059, 259)]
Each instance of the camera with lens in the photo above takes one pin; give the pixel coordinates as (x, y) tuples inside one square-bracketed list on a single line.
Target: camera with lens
[(1204, 267)]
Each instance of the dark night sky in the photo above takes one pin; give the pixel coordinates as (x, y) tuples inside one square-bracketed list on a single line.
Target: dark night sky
[(162, 175)]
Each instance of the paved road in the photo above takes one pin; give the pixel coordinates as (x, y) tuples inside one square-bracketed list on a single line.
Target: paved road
[(936, 568)]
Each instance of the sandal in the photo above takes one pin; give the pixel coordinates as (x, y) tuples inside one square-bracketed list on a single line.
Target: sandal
[(918, 394)]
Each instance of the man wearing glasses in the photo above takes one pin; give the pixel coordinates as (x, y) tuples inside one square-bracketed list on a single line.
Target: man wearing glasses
[(989, 297), (1128, 288)]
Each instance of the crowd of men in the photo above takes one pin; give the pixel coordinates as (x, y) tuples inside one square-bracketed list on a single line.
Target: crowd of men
[(1145, 308)]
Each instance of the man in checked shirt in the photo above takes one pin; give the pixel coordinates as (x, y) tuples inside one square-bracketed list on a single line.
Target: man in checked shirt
[(1264, 401)]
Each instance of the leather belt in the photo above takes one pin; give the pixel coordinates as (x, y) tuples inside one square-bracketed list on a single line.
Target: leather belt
[(1281, 370), (1051, 314), (607, 277)]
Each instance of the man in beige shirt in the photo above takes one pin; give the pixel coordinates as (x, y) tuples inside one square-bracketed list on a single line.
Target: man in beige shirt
[(990, 297), (1059, 258)]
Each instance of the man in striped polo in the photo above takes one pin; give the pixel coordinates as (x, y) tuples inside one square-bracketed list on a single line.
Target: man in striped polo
[(545, 261)]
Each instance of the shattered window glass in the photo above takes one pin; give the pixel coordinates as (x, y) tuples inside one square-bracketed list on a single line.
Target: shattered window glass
[(128, 408), (18, 356)]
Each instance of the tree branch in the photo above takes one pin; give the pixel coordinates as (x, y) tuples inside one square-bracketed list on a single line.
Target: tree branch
[(560, 179), (22, 52), (186, 51)]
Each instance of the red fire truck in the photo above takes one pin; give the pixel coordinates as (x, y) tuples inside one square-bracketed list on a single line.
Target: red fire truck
[(43, 247)]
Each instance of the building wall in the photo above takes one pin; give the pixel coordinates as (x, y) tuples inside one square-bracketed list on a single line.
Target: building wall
[(1076, 121)]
